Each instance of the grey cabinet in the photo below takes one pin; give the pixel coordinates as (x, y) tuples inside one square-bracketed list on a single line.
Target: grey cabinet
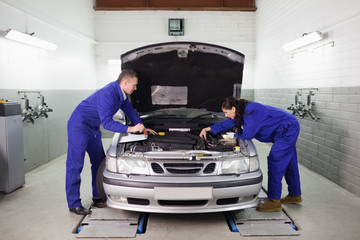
[(12, 169)]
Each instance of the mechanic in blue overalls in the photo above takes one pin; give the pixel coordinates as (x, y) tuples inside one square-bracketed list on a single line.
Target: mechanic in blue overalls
[(84, 133), (266, 124)]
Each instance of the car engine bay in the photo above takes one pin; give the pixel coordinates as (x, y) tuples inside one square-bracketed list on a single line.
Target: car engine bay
[(178, 140)]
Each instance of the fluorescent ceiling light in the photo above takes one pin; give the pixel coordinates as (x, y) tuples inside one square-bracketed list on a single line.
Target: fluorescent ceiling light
[(30, 40), (114, 62), (306, 39)]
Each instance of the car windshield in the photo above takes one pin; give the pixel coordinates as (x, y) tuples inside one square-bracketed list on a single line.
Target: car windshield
[(188, 114), (182, 117)]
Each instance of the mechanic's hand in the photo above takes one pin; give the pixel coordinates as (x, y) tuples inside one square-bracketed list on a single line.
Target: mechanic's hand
[(148, 130), (137, 128), (203, 132)]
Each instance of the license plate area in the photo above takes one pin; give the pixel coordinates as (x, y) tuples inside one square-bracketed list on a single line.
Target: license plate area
[(183, 193)]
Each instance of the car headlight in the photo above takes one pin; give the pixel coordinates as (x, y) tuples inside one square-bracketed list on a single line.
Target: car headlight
[(111, 165), (254, 164), (133, 166), (127, 165), (239, 165)]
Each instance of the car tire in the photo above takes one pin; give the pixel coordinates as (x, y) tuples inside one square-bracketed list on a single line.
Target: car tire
[(99, 180)]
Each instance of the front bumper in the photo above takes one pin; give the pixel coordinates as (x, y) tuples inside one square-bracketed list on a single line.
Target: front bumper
[(182, 194)]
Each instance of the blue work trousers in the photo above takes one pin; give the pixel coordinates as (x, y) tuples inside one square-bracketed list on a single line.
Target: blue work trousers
[(81, 141), (282, 161)]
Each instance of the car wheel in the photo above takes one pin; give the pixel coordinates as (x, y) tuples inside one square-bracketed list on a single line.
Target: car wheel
[(99, 180)]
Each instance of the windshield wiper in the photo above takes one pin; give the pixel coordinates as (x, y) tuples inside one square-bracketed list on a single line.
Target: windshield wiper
[(200, 116), (163, 116)]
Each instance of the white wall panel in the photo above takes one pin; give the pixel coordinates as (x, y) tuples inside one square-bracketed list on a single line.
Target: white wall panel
[(120, 31), (317, 65), (71, 66), (74, 16)]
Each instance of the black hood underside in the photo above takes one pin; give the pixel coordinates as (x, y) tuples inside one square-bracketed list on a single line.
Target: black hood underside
[(203, 73)]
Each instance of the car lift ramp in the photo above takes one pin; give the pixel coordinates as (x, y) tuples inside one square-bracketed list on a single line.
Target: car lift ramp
[(249, 222), (109, 223), (115, 223)]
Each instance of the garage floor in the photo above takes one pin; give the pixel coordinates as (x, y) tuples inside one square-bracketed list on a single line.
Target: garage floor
[(38, 210)]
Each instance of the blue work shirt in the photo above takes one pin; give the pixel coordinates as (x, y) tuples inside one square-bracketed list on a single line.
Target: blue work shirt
[(100, 107), (262, 122)]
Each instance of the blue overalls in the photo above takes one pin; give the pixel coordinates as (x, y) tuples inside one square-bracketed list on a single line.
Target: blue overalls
[(84, 135), (270, 124)]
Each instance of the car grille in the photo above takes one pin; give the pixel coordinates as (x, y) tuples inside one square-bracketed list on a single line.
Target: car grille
[(210, 168), (138, 201), (181, 203), (227, 201), (157, 168), (183, 168)]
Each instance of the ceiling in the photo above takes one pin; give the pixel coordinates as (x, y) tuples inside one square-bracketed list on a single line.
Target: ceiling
[(184, 5)]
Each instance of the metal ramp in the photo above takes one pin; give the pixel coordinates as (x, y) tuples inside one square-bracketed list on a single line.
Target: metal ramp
[(115, 223), (110, 223), (249, 222)]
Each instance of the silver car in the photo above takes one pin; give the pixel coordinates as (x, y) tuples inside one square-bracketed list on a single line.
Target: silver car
[(181, 87)]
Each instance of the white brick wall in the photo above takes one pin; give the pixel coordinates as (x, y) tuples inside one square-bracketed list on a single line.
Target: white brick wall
[(120, 31)]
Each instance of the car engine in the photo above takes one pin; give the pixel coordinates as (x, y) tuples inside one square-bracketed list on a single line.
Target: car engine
[(173, 140)]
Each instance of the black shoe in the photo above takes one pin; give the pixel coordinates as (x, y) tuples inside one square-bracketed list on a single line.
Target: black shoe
[(80, 210), (98, 202)]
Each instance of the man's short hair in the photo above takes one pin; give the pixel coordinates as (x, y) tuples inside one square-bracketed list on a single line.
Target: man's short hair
[(126, 73)]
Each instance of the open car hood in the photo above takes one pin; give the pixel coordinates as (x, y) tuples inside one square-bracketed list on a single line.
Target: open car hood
[(184, 74)]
